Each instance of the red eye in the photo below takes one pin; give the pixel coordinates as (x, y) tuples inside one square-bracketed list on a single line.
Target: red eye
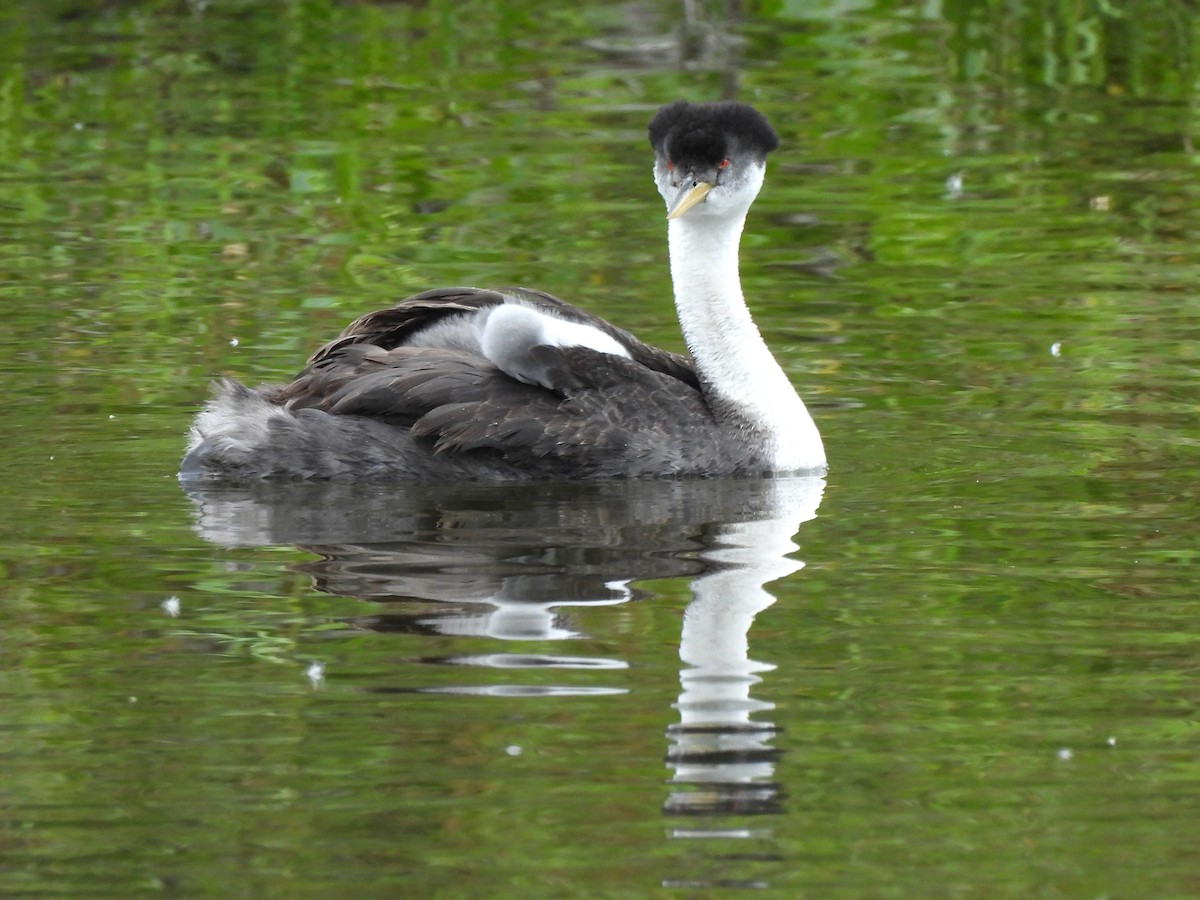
[(724, 163)]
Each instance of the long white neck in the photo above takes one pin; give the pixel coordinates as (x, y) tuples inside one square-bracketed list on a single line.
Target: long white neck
[(742, 381)]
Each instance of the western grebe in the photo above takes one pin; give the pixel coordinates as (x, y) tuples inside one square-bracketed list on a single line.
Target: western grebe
[(464, 383)]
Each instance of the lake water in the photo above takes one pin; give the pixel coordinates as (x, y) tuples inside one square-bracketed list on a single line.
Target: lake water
[(963, 664)]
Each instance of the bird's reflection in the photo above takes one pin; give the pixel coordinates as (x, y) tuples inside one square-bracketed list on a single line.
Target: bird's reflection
[(520, 562), (719, 748)]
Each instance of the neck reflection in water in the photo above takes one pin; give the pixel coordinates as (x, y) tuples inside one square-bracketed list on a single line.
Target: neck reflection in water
[(516, 562)]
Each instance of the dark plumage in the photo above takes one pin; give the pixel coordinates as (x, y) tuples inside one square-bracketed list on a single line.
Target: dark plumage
[(704, 134), (367, 396)]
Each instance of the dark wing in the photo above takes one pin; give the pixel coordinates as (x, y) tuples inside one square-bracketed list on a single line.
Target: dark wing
[(392, 327), (604, 411)]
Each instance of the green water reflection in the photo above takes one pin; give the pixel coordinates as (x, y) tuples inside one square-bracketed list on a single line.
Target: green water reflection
[(975, 255)]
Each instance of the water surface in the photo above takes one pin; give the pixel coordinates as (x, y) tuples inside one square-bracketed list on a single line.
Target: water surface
[(962, 664)]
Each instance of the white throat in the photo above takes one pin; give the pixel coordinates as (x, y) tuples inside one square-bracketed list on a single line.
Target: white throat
[(741, 378)]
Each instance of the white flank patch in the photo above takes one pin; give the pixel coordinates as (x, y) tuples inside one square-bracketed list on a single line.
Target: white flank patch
[(512, 329)]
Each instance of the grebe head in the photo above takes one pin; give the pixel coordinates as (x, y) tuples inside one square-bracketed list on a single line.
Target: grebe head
[(710, 158)]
